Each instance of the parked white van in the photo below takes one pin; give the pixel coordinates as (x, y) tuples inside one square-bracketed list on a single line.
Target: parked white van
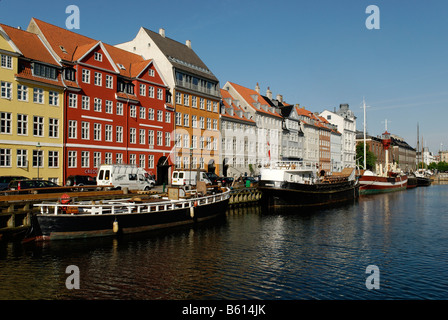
[(119, 176), (186, 177)]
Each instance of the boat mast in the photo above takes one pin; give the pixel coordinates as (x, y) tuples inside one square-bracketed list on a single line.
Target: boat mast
[(418, 148), (365, 158)]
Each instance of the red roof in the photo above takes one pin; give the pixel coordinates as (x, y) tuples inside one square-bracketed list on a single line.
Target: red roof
[(252, 97), (225, 96)]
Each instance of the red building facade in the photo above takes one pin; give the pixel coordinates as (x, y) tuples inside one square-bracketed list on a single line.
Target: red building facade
[(115, 105)]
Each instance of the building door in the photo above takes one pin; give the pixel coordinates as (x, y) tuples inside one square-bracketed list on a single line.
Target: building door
[(163, 168)]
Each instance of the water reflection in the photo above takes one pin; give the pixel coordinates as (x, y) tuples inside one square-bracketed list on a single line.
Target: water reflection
[(253, 253)]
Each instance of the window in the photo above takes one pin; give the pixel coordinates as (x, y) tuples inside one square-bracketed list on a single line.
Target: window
[(186, 141), (22, 92), (96, 159), (73, 100), (186, 120), (119, 134), (201, 163), (97, 131), (85, 159), (201, 123), (5, 157), (119, 108), (141, 160), (142, 136), (215, 106), (167, 139), (6, 89), (85, 76), (150, 114), (22, 158), (150, 92), (209, 143), (53, 128), (6, 61), (215, 124), (38, 158), (159, 138), (132, 135), (160, 115), (38, 95), (53, 98), (194, 102), (109, 82), (194, 121), (5, 122), (22, 124), (201, 142), (178, 119), (70, 74), (133, 111), (38, 126), (109, 107), (167, 117), (142, 90), (108, 158), (98, 79), (98, 56), (72, 159), (194, 142), (97, 104), (209, 124), (85, 130), (85, 104), (44, 71), (186, 99), (178, 98), (209, 105), (119, 158), (151, 73), (150, 161), (201, 103), (142, 113), (132, 160), (108, 132), (151, 137), (53, 159), (72, 129)]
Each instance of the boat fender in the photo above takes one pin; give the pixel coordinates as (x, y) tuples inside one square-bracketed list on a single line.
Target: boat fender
[(192, 212), (195, 203), (115, 227)]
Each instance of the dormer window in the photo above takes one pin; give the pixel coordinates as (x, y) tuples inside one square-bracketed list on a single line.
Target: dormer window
[(151, 73), (44, 71), (98, 56), (69, 74)]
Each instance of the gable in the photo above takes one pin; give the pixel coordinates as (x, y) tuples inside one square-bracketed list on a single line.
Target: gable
[(96, 56), (150, 73)]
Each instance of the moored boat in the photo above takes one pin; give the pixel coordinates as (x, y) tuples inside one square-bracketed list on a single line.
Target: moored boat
[(412, 181), (387, 179), (296, 183), (66, 220)]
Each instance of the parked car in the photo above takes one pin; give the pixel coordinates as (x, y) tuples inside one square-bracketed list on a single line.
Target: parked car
[(5, 180), (33, 184), (226, 181), (80, 180), (212, 177)]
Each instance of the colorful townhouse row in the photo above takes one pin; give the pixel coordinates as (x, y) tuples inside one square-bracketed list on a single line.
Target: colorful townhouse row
[(69, 103)]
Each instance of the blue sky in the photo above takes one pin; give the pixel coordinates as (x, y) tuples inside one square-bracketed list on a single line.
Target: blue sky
[(315, 53)]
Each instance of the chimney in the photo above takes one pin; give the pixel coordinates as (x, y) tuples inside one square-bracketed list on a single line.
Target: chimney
[(162, 32), (269, 93), (257, 88), (280, 98), (188, 43)]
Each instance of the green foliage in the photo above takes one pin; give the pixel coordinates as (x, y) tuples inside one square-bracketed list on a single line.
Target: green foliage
[(440, 166), (370, 156)]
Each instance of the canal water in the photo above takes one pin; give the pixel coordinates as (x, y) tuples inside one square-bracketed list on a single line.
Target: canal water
[(254, 254)]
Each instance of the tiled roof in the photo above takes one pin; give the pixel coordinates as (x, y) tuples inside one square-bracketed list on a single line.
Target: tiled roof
[(30, 45), (252, 98), (225, 96), (180, 55)]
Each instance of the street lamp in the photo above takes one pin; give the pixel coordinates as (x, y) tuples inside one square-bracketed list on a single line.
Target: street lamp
[(38, 159)]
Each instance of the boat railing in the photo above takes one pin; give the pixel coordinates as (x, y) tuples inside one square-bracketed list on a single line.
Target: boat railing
[(294, 165), (129, 205)]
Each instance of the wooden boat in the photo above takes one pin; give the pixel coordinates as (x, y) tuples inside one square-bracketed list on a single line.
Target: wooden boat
[(66, 220), (296, 183)]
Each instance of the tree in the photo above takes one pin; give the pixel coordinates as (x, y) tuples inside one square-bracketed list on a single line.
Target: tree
[(370, 156)]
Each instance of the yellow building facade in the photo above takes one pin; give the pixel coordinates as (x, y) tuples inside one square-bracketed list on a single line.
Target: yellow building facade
[(31, 108)]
